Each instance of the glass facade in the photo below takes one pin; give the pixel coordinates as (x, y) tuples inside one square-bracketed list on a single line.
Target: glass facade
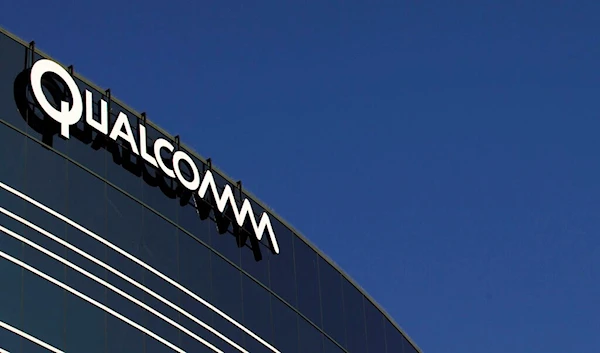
[(101, 252)]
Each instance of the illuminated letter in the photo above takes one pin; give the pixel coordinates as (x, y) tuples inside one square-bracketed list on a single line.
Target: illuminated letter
[(64, 117), (190, 185), (158, 145), (127, 135), (144, 149), (101, 126)]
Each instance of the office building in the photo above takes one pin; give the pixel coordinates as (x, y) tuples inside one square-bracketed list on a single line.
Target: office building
[(117, 237)]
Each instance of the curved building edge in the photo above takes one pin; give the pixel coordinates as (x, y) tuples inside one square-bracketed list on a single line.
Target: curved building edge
[(231, 181)]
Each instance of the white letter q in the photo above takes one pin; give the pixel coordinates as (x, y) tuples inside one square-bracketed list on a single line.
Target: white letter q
[(64, 117)]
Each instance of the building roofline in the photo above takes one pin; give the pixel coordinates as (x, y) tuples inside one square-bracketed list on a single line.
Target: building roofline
[(230, 181)]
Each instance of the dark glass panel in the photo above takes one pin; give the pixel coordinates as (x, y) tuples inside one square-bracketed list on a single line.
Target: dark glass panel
[(395, 342), (124, 230), (85, 323), (375, 328), (285, 327), (408, 348), (190, 220), (159, 248), (46, 182), (227, 296), (281, 266), (332, 301), (307, 278), (10, 274), (13, 62), (255, 255), (12, 153), (11, 342), (13, 149), (354, 318), (124, 168), (87, 146), (195, 275), (222, 238), (159, 191), (120, 336), (257, 314), (311, 339), (84, 329), (43, 315), (86, 206), (330, 347)]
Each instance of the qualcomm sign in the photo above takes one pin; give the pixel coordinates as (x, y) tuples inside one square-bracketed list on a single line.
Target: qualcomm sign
[(71, 113)]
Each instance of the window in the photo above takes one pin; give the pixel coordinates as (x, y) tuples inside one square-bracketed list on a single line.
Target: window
[(190, 220), (354, 318), (86, 206), (375, 328), (257, 314), (311, 339), (281, 266), (222, 240), (395, 342), (123, 166), (12, 62), (84, 323), (332, 301), (124, 229), (195, 275), (86, 146), (330, 347), (307, 278), (285, 327), (43, 315), (253, 248), (159, 248), (227, 296)]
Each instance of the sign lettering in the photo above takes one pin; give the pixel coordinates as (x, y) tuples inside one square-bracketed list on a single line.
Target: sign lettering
[(70, 113)]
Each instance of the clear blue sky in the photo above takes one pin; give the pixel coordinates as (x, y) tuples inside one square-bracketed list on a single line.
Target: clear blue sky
[(445, 153)]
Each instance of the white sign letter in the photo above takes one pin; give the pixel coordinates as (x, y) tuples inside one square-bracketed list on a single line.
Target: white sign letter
[(127, 135), (190, 185), (144, 147), (101, 126), (159, 144), (64, 117)]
